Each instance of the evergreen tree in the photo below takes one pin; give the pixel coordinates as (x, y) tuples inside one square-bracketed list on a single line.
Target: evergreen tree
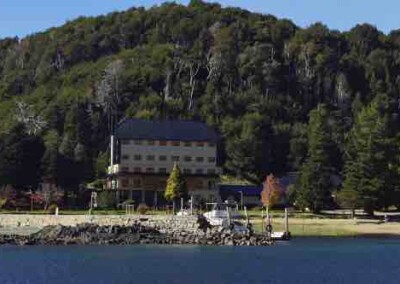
[(51, 159), (369, 169), (314, 183), (20, 156), (176, 186)]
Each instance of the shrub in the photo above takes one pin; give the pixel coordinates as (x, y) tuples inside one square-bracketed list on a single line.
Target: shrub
[(3, 202), (142, 208), (128, 202), (106, 199), (52, 208)]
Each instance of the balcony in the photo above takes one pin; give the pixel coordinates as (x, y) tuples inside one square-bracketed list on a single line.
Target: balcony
[(118, 169)]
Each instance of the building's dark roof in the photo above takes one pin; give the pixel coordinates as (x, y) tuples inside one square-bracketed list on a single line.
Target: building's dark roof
[(171, 130), (248, 190)]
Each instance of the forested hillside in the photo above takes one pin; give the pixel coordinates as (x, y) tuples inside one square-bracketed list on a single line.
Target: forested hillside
[(283, 98)]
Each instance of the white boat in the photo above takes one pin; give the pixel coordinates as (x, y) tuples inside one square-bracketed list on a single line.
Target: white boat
[(222, 215), (280, 236)]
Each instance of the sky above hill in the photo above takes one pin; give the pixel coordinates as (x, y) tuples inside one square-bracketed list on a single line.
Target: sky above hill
[(23, 17)]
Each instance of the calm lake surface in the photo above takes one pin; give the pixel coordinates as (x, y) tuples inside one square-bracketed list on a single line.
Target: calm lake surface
[(299, 261)]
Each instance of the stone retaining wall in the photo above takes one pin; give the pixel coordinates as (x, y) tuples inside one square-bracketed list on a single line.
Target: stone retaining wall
[(163, 223)]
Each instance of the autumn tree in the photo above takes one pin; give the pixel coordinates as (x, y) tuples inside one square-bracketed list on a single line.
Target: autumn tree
[(271, 193), (176, 186)]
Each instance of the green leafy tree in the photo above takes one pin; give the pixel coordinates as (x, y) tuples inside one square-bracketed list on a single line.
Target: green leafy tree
[(176, 186)]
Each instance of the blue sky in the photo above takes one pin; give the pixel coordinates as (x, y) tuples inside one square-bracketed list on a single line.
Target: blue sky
[(22, 17)]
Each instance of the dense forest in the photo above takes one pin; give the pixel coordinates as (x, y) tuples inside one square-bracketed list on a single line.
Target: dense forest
[(321, 102)]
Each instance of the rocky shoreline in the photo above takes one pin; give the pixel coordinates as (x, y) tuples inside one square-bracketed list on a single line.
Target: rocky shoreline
[(93, 234)]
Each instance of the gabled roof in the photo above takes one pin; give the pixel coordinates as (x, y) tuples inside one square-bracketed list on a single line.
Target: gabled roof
[(171, 130)]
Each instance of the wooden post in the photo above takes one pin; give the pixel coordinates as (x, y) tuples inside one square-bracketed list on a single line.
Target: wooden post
[(247, 216), (191, 205), (262, 220), (286, 220), (229, 216)]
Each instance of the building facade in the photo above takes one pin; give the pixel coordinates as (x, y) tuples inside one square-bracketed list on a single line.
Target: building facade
[(144, 153)]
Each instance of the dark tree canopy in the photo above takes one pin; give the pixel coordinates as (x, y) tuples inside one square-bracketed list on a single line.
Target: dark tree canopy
[(254, 77)]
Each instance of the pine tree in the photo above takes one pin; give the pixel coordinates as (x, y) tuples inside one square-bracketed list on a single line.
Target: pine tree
[(50, 160), (176, 186), (314, 183), (369, 169)]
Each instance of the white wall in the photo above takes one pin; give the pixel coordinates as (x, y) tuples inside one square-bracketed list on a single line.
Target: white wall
[(157, 150)]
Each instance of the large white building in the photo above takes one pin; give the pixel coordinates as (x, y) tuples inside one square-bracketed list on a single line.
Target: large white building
[(146, 151)]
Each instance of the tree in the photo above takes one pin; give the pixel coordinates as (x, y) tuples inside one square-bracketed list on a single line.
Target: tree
[(20, 156), (176, 186), (51, 159), (271, 193), (370, 165), (253, 77), (314, 183)]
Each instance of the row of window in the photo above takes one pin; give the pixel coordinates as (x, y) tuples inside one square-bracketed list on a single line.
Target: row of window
[(163, 158), (138, 183), (164, 170), (167, 143)]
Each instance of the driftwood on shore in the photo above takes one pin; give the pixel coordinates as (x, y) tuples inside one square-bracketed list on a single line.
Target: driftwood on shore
[(83, 234)]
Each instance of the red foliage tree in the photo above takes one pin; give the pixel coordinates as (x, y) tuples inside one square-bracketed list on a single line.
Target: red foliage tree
[(272, 191)]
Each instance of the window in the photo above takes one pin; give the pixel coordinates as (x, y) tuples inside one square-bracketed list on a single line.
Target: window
[(175, 158), (200, 144), (137, 157), (137, 182), (188, 144), (162, 170), (149, 170), (176, 143), (163, 143), (124, 182), (125, 142), (125, 169), (125, 157), (187, 171), (211, 171), (187, 159), (138, 142), (211, 159), (151, 143), (199, 171), (137, 170), (162, 158), (150, 157), (211, 144), (199, 159)]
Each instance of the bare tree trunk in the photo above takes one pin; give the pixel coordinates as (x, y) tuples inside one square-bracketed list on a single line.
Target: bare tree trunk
[(194, 69)]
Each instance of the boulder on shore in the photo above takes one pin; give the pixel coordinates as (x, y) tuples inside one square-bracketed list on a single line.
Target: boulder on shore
[(135, 234)]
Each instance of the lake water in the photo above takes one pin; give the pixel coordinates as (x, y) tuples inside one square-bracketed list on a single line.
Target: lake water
[(299, 261)]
